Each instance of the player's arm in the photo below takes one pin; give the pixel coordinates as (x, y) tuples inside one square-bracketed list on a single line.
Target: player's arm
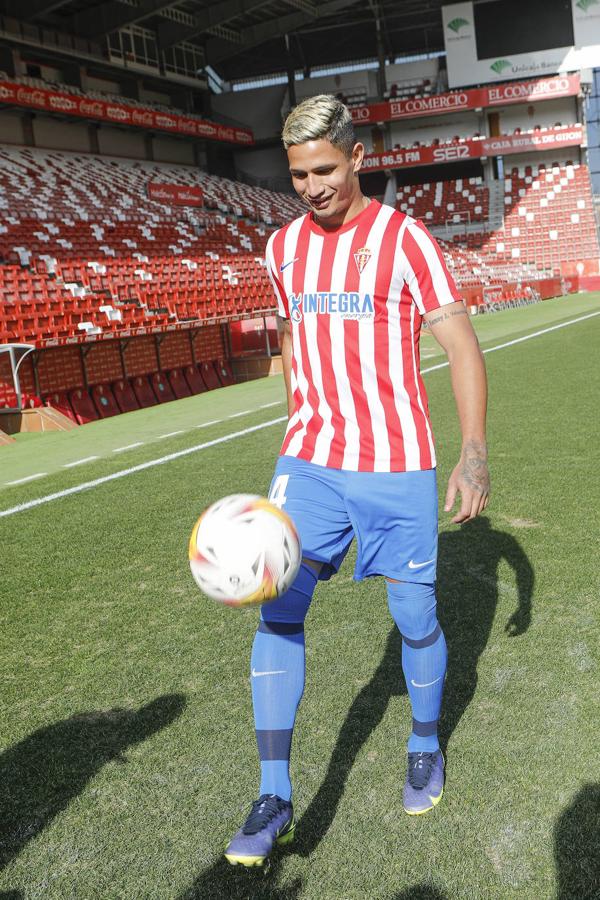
[(286, 361), (451, 327)]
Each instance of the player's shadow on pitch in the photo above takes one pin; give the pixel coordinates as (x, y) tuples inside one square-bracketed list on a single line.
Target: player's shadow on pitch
[(577, 846), (43, 773), (468, 596)]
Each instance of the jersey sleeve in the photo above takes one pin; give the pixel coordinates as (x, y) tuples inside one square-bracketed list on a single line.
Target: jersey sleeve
[(426, 273), (282, 302)]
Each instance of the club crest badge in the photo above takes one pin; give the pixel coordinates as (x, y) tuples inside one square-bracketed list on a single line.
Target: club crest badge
[(361, 258)]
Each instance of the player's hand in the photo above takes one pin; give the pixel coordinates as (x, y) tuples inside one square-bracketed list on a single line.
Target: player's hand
[(470, 478)]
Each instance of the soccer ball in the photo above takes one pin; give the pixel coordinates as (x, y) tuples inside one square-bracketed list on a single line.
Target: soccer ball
[(244, 550)]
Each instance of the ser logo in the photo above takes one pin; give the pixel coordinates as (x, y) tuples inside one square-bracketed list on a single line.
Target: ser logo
[(441, 154)]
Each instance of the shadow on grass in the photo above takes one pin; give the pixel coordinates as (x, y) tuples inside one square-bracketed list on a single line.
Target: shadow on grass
[(468, 597), (44, 772), (577, 846)]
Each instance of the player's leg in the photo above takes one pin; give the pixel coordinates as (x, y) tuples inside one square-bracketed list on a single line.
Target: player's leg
[(311, 498), (395, 517), (424, 658), (277, 676)]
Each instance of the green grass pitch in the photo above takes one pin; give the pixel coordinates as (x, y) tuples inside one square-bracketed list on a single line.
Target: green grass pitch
[(127, 754)]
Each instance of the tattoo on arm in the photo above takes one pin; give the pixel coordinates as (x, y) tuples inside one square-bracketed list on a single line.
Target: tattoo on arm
[(474, 466), (446, 315)]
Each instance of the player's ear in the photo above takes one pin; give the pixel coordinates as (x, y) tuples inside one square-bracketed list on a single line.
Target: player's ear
[(358, 151)]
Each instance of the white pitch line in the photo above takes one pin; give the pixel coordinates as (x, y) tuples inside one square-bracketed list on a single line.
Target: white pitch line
[(77, 489), (28, 478), (244, 412), (79, 462), (128, 447), (230, 437), (520, 340), (169, 434), (275, 403), (206, 424)]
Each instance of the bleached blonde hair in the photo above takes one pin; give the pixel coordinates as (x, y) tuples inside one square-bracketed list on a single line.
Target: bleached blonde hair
[(315, 118)]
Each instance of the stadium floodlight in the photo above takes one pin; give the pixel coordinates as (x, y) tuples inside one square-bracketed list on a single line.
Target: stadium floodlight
[(16, 355)]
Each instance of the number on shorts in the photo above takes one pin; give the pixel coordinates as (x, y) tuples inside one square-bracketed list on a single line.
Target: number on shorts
[(277, 495)]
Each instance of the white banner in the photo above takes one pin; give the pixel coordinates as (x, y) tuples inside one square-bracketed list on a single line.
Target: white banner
[(586, 23), (461, 48)]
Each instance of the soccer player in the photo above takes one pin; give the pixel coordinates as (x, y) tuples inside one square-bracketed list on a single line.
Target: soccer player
[(354, 281)]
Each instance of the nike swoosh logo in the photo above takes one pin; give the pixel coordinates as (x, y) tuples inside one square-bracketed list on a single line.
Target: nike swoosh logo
[(256, 674), (428, 684), (290, 263), (414, 565)]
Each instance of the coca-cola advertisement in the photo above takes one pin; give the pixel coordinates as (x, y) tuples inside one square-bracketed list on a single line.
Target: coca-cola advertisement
[(119, 113), (175, 194)]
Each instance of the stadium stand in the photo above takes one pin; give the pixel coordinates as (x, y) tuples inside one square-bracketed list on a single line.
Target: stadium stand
[(463, 200), (87, 251)]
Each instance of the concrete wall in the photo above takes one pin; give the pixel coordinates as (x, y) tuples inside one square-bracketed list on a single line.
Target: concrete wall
[(169, 150), (60, 135), (114, 142), (545, 114), (260, 109), (11, 128), (268, 163)]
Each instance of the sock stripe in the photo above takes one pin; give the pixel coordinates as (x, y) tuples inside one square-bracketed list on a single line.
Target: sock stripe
[(274, 743), (424, 729), (280, 627), (424, 642)]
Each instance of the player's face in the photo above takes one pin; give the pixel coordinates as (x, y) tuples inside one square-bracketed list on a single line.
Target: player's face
[(326, 179)]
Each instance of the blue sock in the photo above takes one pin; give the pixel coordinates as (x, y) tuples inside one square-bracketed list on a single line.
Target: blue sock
[(424, 657), (278, 680)]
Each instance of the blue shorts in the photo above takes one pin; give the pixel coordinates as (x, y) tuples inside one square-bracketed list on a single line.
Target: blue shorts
[(393, 516)]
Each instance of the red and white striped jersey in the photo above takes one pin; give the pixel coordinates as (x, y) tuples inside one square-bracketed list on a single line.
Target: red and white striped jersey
[(355, 298)]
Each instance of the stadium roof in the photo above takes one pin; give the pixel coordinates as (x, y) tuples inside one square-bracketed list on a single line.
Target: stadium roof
[(247, 38)]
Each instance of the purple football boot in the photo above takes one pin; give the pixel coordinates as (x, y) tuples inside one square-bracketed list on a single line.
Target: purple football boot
[(424, 784), (271, 821)]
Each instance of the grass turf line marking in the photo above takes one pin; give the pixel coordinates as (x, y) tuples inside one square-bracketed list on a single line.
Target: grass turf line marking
[(77, 489), (212, 422), (275, 403), (28, 478), (169, 434), (229, 437), (128, 447), (244, 412), (79, 462), (526, 337)]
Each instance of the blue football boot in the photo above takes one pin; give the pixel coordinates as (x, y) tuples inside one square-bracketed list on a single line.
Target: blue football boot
[(271, 821), (424, 782)]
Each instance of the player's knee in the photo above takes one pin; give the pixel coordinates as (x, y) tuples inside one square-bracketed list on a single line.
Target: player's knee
[(293, 606), (413, 608)]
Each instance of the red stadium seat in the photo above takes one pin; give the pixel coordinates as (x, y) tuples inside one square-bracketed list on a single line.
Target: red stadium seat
[(161, 387), (178, 384), (224, 371), (211, 379), (84, 409), (194, 380), (60, 402), (31, 401), (123, 394), (143, 392), (104, 401)]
